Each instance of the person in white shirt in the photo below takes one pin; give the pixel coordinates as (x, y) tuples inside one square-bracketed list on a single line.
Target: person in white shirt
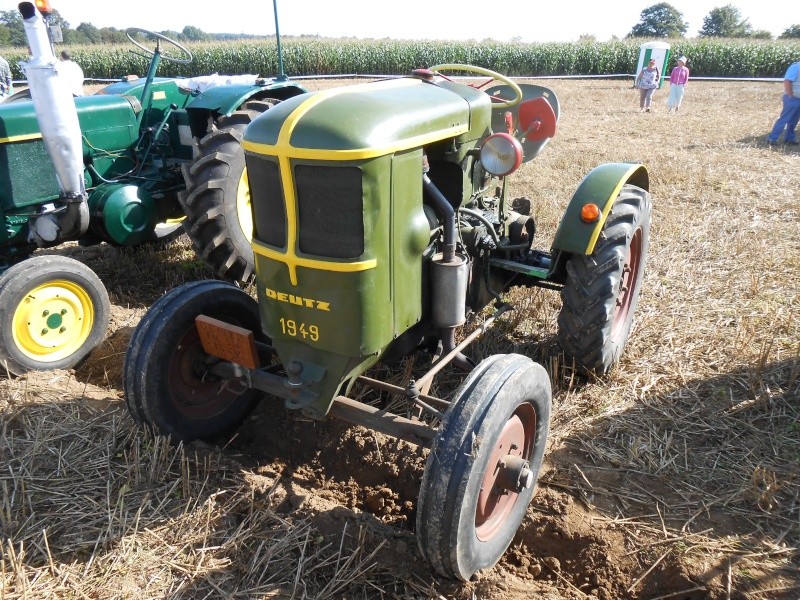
[(72, 73)]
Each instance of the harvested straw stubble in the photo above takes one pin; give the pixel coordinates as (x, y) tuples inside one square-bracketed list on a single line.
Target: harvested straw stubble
[(676, 476)]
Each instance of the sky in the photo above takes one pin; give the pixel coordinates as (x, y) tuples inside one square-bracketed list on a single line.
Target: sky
[(523, 20)]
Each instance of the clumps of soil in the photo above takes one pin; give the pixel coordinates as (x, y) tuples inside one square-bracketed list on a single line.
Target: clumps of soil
[(103, 367), (352, 466), (560, 544)]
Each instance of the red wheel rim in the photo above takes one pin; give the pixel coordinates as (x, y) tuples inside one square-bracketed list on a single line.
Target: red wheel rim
[(494, 503), (630, 276), (194, 392)]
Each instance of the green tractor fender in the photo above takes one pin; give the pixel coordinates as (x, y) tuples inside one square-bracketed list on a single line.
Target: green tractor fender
[(600, 187), (225, 99)]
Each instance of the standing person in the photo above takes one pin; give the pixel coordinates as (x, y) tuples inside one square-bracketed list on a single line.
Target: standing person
[(6, 88), (647, 82), (72, 73), (790, 113), (677, 82)]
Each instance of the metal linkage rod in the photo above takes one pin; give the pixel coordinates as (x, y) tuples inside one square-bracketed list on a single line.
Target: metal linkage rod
[(352, 411), (440, 364)]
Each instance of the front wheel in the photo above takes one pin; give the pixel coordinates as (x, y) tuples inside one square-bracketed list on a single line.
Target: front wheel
[(165, 376), (54, 310), (482, 468), (602, 289)]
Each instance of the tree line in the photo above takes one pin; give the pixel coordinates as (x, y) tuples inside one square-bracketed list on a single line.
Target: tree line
[(12, 32), (660, 20), (663, 20)]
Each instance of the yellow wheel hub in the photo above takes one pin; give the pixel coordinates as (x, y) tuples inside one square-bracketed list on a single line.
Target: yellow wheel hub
[(53, 321), (243, 210)]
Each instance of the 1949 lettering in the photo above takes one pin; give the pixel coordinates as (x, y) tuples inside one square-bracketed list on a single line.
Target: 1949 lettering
[(296, 329)]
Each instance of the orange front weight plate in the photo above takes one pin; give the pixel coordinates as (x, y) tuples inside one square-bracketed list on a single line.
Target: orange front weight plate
[(228, 342)]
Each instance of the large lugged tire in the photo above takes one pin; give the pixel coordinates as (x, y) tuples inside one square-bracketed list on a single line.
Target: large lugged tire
[(166, 383), (602, 289), (54, 310), (481, 471), (217, 197)]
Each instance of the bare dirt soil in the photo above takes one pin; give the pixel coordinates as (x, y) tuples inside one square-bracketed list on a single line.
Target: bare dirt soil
[(677, 476)]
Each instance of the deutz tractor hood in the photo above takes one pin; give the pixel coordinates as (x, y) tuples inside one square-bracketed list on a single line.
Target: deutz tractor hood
[(372, 119)]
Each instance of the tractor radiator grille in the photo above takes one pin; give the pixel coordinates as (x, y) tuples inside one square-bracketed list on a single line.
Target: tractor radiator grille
[(330, 211), (269, 212)]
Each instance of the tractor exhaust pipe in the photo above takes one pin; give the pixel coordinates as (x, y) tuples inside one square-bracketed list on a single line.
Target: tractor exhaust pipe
[(449, 269), (61, 132)]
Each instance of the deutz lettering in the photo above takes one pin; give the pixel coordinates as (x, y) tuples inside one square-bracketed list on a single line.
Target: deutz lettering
[(298, 300)]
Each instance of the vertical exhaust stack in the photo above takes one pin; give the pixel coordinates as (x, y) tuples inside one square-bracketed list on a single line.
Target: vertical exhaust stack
[(61, 132)]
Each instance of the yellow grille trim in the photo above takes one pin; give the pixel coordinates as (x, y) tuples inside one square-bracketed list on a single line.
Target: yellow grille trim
[(293, 261)]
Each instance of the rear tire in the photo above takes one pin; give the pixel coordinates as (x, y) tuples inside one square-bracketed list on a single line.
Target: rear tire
[(54, 310), (466, 516), (217, 197), (167, 385), (602, 289)]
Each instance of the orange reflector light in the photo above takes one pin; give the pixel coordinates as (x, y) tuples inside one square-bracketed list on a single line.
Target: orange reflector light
[(43, 6), (590, 213)]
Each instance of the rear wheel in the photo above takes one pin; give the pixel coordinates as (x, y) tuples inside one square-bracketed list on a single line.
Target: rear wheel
[(54, 310), (481, 471), (166, 379), (602, 289), (217, 197)]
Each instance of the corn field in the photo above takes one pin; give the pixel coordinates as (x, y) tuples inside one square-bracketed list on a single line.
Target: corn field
[(303, 56)]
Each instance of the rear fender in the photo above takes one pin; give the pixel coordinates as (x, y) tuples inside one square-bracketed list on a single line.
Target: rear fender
[(601, 187), (226, 99)]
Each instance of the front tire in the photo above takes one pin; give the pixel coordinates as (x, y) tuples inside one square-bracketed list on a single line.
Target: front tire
[(481, 471), (166, 381), (602, 289), (54, 310), (217, 197)]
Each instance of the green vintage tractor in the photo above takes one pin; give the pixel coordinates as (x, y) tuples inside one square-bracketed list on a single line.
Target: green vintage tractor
[(381, 226), (139, 162)]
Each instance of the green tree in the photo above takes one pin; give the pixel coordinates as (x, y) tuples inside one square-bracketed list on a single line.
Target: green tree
[(660, 20), (173, 35), (194, 34), (792, 32), (726, 21), (761, 34), (90, 33), (5, 36), (12, 21), (112, 35)]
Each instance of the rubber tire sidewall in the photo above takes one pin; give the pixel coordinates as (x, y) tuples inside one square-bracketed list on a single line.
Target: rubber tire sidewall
[(448, 496), (17, 281), (131, 362), (148, 360)]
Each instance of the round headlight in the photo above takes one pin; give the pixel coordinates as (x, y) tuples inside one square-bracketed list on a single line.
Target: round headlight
[(501, 154)]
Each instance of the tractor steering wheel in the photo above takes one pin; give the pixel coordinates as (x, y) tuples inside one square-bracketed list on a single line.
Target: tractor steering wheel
[(184, 58), (494, 75)]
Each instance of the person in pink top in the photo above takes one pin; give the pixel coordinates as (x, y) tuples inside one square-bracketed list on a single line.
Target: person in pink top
[(677, 83)]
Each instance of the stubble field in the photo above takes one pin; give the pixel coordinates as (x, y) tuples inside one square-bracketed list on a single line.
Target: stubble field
[(676, 476)]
